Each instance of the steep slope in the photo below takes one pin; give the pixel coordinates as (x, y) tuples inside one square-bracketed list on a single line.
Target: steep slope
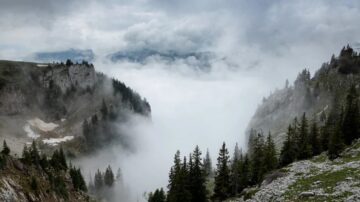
[(314, 96), (317, 179), (20, 181), (50, 103)]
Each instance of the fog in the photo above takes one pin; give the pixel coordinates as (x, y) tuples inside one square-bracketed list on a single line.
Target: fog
[(256, 45)]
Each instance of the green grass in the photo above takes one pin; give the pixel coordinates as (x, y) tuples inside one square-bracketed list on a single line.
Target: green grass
[(319, 159), (328, 183)]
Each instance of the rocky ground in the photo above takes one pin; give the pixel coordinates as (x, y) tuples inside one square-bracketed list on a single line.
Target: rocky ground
[(317, 179)]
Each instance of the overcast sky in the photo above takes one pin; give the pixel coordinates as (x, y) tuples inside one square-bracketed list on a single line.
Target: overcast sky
[(259, 43)]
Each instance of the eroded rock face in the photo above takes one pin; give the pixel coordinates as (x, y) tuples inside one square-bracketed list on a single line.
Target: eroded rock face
[(75, 75)]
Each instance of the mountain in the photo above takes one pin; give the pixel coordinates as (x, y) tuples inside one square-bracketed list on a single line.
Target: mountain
[(144, 55), (76, 55), (315, 96), (68, 104)]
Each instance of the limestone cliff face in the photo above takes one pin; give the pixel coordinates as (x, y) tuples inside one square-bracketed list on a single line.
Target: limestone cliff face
[(75, 75)]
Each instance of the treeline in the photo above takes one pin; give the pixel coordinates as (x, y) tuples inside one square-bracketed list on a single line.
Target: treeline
[(54, 167), (304, 139), (102, 184)]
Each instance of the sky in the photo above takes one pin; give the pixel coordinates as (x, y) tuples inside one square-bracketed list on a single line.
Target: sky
[(255, 46)]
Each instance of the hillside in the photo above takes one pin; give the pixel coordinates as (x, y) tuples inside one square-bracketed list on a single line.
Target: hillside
[(314, 96), (35, 178), (316, 179), (51, 102)]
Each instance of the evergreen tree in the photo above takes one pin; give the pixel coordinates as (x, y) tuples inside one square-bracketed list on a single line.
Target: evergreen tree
[(77, 179), (178, 182), (270, 156), (351, 124), (157, 196), (109, 177), (6, 149), (98, 180), (44, 163), (208, 165), (104, 110), (245, 177), (314, 139), (222, 178), (197, 178), (257, 160), (235, 171), (288, 152), (305, 150), (34, 154), (336, 144), (26, 155), (62, 159)]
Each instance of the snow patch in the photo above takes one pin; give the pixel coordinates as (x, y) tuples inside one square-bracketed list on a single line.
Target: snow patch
[(41, 125), (41, 65), (56, 141)]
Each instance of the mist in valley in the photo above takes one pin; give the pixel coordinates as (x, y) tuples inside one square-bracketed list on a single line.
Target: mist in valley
[(253, 48)]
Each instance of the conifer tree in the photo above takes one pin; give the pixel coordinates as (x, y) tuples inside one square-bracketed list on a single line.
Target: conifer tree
[(6, 149), (257, 160), (245, 177), (270, 156), (109, 177), (26, 155), (104, 110), (34, 154), (178, 182), (288, 152), (235, 171), (62, 159), (305, 150), (98, 180), (222, 178), (197, 178), (314, 139), (208, 165), (351, 124), (336, 144), (157, 196)]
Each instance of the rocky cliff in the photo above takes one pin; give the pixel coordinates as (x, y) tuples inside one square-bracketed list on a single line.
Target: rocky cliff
[(49, 102), (314, 96)]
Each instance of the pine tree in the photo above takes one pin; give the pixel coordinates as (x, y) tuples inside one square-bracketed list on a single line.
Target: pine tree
[(336, 144), (104, 110), (257, 160), (305, 150), (34, 154), (208, 165), (62, 159), (157, 196), (270, 156), (109, 177), (178, 182), (245, 177), (314, 139), (351, 124), (222, 178), (98, 180), (26, 155), (235, 171), (197, 178), (6, 149), (288, 152)]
